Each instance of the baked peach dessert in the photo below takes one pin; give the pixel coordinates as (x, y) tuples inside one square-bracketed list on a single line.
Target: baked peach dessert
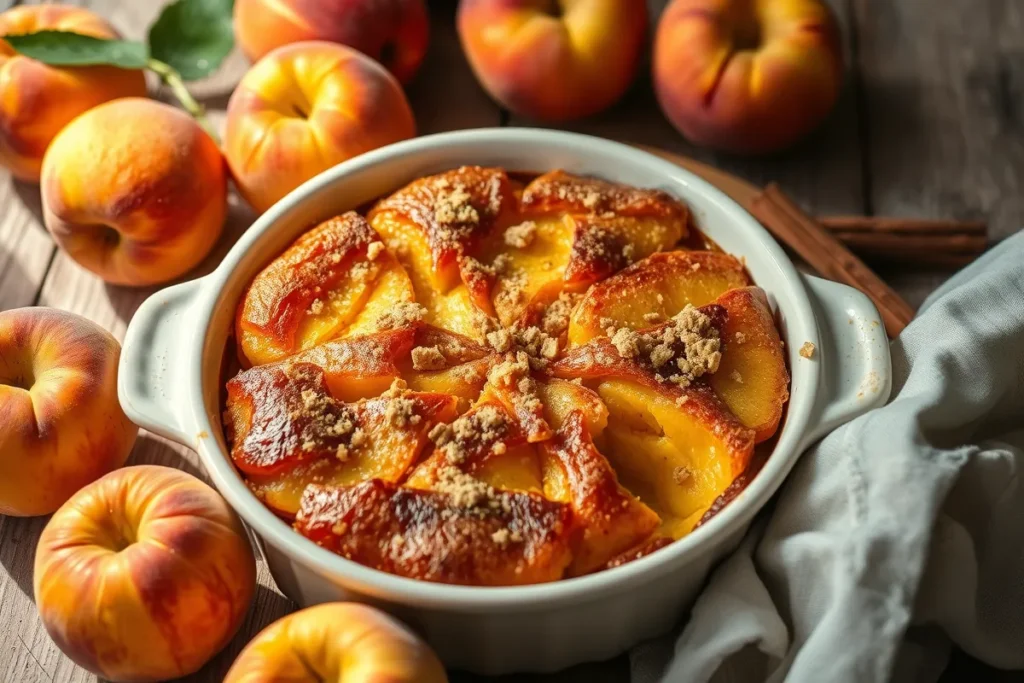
[(497, 379)]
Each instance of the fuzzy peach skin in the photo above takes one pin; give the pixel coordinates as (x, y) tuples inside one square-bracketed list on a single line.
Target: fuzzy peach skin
[(37, 100), (144, 575), (338, 642), (747, 76), (553, 60), (394, 32), (61, 426), (304, 108), (135, 191)]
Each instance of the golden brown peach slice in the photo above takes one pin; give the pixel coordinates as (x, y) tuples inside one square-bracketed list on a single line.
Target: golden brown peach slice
[(442, 218), (655, 289), (487, 444), (562, 397), (283, 416), (612, 519), (365, 366), (316, 288), (511, 538), (752, 378), (394, 430), (678, 449)]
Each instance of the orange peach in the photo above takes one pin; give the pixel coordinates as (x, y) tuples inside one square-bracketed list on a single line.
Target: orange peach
[(61, 426), (342, 642), (553, 60), (306, 107), (747, 76), (36, 100), (134, 191), (395, 33), (144, 575)]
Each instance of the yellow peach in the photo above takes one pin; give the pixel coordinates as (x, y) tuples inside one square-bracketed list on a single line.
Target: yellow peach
[(135, 191), (36, 100), (553, 60), (394, 33), (61, 426), (342, 642), (144, 575), (747, 76), (304, 108)]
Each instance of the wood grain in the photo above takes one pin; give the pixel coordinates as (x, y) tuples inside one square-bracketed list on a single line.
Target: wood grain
[(944, 112)]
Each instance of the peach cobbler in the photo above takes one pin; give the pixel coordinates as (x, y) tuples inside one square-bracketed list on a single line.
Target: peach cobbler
[(492, 379)]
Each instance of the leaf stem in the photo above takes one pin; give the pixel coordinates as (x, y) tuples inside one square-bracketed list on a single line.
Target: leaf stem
[(173, 80)]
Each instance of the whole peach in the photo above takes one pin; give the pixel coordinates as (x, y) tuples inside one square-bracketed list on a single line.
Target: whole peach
[(747, 77), (61, 426), (553, 60), (135, 191), (37, 100), (304, 108), (394, 32), (342, 642), (144, 575)]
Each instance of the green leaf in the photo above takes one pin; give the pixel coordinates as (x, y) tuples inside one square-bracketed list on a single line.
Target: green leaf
[(63, 48), (193, 36)]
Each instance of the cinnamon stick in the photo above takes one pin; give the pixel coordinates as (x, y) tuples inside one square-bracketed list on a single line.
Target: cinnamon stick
[(910, 240), (825, 253)]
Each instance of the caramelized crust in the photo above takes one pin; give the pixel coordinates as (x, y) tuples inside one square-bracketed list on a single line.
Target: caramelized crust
[(454, 210), (491, 384), (519, 538), (612, 519), (284, 292), (561, 191)]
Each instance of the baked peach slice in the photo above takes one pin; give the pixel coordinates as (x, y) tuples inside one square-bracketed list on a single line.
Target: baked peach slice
[(428, 358), (437, 224), (485, 444), (316, 288), (500, 538), (286, 430), (611, 518), (752, 379), (653, 290), (677, 447)]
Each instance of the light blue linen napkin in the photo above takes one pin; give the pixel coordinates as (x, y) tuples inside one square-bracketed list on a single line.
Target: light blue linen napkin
[(899, 533)]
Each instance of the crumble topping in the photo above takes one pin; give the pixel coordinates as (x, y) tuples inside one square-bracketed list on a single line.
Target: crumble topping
[(807, 350), (522, 235), (740, 337), (428, 358), (403, 314), (483, 427), (374, 250), (400, 410), (680, 351), (736, 376), (558, 314), (453, 206), (317, 307)]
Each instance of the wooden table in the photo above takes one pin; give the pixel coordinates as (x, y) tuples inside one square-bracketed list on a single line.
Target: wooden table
[(931, 124)]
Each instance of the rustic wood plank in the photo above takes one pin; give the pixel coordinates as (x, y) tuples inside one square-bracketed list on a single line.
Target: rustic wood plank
[(25, 246), (944, 107)]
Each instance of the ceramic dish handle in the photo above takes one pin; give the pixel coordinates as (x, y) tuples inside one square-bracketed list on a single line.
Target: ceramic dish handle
[(152, 376), (855, 349)]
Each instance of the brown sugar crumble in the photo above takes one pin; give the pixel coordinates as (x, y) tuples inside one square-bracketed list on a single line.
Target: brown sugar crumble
[(428, 358), (740, 337), (400, 410), (681, 350), (521, 236), (374, 250), (317, 307), (453, 204), (807, 350), (481, 428), (559, 312), (402, 315)]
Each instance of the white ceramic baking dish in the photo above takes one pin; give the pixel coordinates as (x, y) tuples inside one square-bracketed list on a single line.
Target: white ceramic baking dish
[(170, 373)]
